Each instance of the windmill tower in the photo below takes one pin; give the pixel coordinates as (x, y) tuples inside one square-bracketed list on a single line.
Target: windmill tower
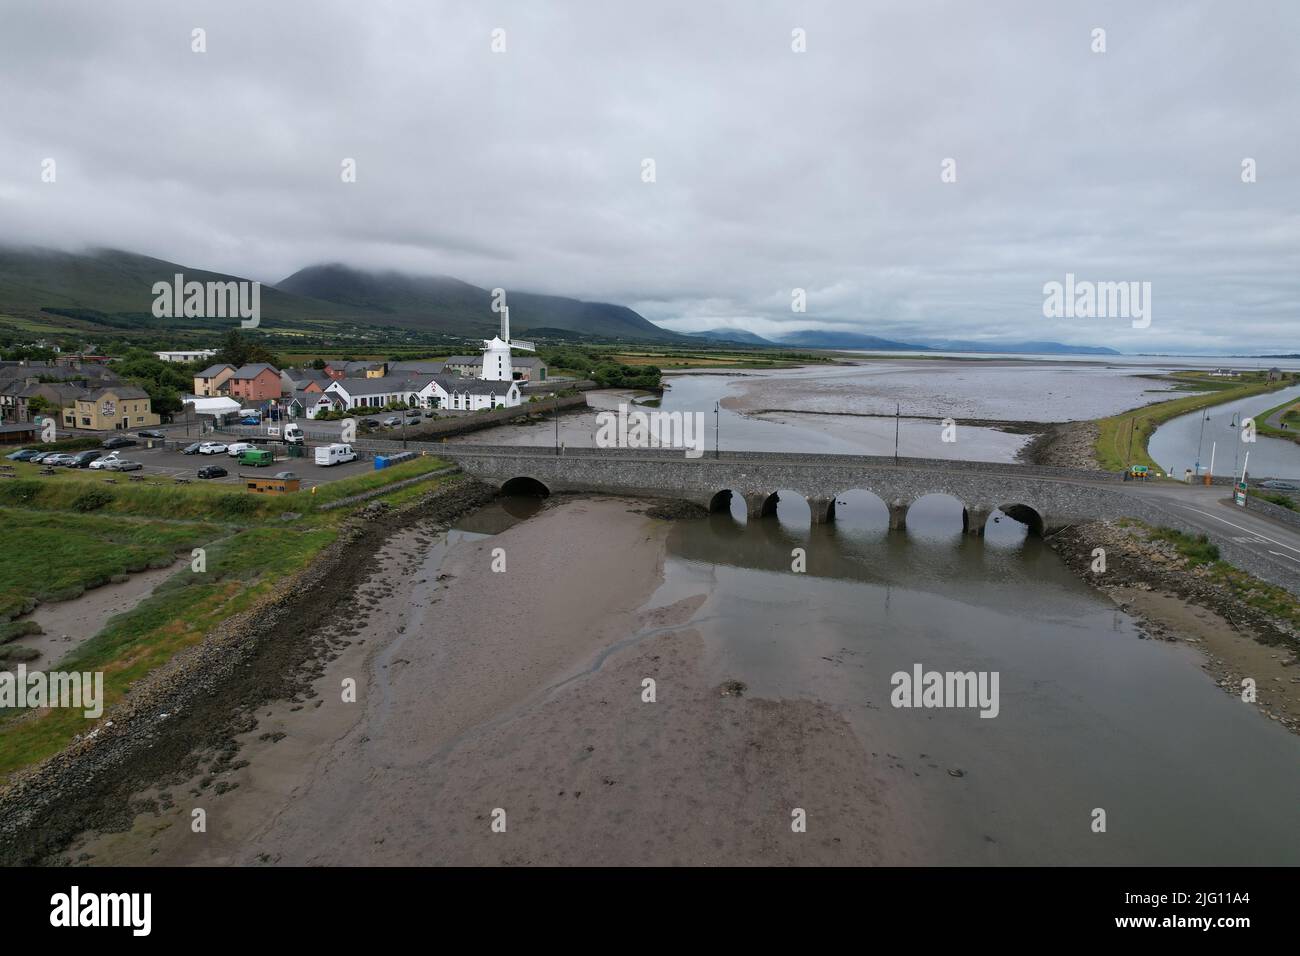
[(497, 366)]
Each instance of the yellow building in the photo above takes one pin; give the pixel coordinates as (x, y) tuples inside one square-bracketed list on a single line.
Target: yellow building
[(211, 382), (121, 407)]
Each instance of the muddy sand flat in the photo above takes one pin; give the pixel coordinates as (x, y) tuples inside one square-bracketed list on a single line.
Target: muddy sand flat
[(522, 692)]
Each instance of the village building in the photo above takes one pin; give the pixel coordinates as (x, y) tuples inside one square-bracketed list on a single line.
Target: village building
[(112, 407), (367, 369), (194, 355), (211, 382), (523, 368), (256, 382)]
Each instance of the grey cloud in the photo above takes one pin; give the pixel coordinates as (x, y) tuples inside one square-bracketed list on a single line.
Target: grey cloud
[(775, 170)]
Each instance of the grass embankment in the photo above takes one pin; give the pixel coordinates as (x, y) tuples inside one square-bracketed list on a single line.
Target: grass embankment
[(50, 550), (1122, 439), (1243, 588), (1290, 410)]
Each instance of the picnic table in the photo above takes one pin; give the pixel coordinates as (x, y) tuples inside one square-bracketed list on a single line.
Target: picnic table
[(136, 477), (110, 481)]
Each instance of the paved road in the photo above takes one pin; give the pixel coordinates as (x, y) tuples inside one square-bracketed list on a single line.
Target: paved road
[(1274, 544)]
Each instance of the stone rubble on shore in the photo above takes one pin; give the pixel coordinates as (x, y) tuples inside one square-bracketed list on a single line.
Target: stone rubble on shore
[(1137, 561)]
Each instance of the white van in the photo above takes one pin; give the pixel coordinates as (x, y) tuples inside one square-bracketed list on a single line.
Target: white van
[(334, 454)]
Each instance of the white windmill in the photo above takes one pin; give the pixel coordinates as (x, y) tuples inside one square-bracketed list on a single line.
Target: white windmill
[(497, 366)]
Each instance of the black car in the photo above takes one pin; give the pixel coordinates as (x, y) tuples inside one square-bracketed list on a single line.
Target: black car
[(369, 423), (212, 471), (151, 434), (83, 459), (191, 449), (118, 442)]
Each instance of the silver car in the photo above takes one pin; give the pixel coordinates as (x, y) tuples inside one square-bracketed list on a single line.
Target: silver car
[(124, 464)]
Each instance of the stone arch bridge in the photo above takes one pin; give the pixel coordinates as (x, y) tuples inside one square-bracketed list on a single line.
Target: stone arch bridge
[(1043, 498)]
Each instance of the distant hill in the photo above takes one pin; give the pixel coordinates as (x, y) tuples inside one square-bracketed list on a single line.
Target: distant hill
[(734, 335), (822, 339), (449, 304), (111, 289), (1040, 348)]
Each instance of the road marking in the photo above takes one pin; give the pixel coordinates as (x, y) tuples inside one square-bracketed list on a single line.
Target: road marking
[(1240, 528), (1281, 555)]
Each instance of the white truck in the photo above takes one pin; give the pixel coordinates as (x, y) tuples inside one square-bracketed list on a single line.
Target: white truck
[(293, 434), (334, 454)]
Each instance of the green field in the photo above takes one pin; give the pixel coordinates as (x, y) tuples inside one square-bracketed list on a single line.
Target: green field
[(50, 551), (1122, 439)]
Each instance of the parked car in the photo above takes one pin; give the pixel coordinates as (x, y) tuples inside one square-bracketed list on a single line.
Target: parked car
[(23, 454), (123, 464), (212, 471), (369, 423), (250, 420), (117, 441), (192, 448), (58, 458), (1273, 484), (84, 459), (151, 434), (40, 456), (413, 413), (392, 421), (285, 476), (212, 448), (100, 463), (238, 448)]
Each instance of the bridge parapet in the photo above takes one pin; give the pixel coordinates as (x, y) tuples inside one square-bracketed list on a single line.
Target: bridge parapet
[(1044, 498)]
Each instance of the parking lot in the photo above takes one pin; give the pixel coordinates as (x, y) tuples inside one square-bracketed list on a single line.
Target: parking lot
[(172, 464)]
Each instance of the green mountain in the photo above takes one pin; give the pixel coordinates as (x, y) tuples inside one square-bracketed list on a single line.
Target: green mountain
[(449, 304), (111, 291)]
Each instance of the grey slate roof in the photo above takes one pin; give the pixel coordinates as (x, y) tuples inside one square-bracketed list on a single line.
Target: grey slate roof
[(254, 369), (212, 371)]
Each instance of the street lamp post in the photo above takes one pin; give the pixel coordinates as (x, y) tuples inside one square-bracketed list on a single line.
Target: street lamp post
[(717, 428), (1204, 418)]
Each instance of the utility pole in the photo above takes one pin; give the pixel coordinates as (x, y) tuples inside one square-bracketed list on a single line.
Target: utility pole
[(555, 413), (898, 408)]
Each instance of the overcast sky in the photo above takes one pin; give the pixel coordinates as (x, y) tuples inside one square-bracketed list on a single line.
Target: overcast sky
[(775, 170)]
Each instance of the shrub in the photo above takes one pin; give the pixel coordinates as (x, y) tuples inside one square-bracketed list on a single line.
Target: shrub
[(16, 654), (16, 629), (92, 499)]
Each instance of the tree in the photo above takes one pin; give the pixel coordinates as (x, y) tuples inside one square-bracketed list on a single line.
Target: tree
[(237, 351)]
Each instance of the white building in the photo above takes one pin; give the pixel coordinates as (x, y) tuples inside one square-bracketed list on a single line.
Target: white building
[(195, 356), (423, 391), (497, 366)]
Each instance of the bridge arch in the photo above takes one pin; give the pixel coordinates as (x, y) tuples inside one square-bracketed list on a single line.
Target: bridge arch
[(788, 507), (525, 486), (859, 508), (937, 514), (1027, 515)]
